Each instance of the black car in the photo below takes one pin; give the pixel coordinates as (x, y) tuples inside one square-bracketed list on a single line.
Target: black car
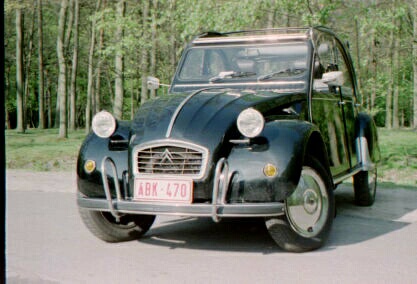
[(261, 123)]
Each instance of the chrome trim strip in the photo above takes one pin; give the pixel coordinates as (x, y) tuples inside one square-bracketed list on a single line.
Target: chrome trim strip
[(339, 179), (175, 143), (364, 160), (239, 141), (362, 151), (109, 200), (197, 210), (220, 187), (177, 111), (251, 38)]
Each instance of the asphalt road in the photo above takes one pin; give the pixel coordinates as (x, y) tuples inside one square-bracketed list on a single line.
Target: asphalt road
[(46, 242)]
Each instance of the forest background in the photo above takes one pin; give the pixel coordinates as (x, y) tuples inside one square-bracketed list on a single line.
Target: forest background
[(65, 60)]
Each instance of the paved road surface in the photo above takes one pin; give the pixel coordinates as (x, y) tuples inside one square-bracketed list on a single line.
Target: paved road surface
[(47, 243)]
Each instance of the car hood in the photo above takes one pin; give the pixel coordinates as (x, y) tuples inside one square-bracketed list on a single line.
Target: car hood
[(205, 117)]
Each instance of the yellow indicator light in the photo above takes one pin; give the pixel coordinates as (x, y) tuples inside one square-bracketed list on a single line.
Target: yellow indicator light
[(270, 170), (89, 166)]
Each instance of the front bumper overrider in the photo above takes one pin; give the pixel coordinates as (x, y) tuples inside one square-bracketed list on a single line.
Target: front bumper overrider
[(217, 208)]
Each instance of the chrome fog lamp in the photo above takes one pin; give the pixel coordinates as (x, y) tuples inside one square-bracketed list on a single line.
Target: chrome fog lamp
[(104, 124), (250, 122)]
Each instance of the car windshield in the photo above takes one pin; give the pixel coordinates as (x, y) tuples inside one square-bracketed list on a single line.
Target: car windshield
[(251, 62)]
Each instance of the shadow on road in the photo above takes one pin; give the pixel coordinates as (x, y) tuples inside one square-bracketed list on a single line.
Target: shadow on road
[(248, 235), (392, 211)]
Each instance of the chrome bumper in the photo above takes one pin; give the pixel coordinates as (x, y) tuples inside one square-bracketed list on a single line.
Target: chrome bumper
[(216, 209)]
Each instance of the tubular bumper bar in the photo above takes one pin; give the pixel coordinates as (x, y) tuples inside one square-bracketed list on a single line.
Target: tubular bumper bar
[(216, 209)]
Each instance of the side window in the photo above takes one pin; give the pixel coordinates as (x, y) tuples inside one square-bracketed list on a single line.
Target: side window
[(329, 57), (347, 87), (324, 62)]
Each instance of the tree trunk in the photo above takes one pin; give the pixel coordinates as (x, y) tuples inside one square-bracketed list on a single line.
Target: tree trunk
[(48, 98), (62, 80), (73, 82), (90, 72), (6, 95), (144, 58), (41, 95), (375, 72), (388, 99), (21, 125), (97, 88), (395, 74), (132, 99), (118, 88), (154, 44), (69, 20), (27, 70), (415, 65), (271, 15), (358, 63), (173, 45)]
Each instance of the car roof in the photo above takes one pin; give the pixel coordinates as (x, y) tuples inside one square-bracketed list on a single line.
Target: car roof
[(273, 35)]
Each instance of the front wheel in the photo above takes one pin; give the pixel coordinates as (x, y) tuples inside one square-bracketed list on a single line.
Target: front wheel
[(309, 211), (105, 227)]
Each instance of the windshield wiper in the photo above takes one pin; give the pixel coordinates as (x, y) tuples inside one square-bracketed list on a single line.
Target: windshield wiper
[(289, 71), (230, 75)]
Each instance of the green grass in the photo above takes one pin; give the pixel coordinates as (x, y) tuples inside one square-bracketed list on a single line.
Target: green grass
[(398, 156), (41, 150)]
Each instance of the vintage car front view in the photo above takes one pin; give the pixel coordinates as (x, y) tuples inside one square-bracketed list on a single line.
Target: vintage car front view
[(261, 123)]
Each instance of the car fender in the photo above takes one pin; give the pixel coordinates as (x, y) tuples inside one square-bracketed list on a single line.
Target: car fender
[(282, 144), (365, 128), (95, 149)]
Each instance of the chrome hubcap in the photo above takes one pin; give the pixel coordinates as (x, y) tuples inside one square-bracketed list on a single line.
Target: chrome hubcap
[(307, 208), (311, 201)]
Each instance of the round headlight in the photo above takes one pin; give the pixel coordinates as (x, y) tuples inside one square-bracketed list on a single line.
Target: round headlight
[(104, 124), (250, 122)]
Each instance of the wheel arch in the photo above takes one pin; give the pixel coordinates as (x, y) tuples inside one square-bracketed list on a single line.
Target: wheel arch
[(316, 148), (95, 149)]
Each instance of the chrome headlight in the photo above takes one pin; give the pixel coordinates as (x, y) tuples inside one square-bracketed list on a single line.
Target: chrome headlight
[(104, 124), (250, 122)]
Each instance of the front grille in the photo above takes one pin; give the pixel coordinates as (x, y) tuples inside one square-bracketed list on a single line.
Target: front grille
[(170, 160)]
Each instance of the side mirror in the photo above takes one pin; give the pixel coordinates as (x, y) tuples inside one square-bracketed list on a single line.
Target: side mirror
[(152, 83), (333, 78)]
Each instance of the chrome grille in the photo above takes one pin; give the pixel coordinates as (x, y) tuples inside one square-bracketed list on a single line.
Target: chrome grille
[(170, 160)]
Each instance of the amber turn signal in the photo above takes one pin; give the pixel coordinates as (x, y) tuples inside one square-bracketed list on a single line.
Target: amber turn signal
[(270, 170), (89, 166)]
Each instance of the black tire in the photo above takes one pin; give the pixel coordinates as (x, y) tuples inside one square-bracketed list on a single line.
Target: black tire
[(364, 185), (309, 211), (104, 226)]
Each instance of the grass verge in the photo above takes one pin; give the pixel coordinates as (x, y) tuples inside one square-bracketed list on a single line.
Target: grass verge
[(398, 156), (42, 150)]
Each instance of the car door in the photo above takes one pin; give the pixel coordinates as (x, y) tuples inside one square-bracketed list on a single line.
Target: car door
[(333, 107), (348, 100)]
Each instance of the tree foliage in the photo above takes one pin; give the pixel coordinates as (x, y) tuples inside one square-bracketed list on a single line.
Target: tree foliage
[(150, 35)]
